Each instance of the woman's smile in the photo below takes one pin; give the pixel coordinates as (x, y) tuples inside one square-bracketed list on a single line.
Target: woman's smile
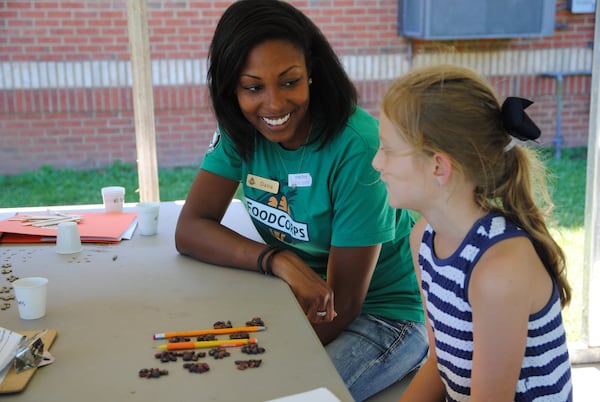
[(274, 122)]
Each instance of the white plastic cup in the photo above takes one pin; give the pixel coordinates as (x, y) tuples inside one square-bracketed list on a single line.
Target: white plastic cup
[(31, 297), (68, 240), (147, 215), (113, 198)]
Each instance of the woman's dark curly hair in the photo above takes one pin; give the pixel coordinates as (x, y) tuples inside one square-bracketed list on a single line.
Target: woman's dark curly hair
[(248, 23)]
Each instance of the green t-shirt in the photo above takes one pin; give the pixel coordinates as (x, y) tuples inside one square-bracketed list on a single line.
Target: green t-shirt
[(337, 200)]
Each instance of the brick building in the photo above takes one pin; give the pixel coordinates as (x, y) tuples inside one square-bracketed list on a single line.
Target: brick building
[(65, 79)]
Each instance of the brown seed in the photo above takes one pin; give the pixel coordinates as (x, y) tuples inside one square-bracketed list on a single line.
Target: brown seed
[(196, 367), (256, 321), (222, 324), (252, 349), (244, 364), (239, 335), (151, 373)]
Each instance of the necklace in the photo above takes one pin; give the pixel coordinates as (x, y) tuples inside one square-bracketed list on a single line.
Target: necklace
[(295, 178)]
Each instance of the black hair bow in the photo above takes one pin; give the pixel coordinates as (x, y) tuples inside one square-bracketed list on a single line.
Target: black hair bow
[(516, 121)]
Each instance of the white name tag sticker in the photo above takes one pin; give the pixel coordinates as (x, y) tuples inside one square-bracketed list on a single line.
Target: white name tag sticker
[(261, 183), (300, 180)]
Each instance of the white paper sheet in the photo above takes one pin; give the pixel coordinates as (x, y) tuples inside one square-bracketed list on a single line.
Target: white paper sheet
[(236, 218), (315, 395), (9, 343)]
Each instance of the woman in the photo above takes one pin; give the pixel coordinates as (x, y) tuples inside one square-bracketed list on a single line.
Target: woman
[(492, 277), (290, 132)]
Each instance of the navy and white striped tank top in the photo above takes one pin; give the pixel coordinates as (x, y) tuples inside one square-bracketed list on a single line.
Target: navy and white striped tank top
[(546, 370)]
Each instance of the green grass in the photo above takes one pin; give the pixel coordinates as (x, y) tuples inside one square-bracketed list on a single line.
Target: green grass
[(567, 185), (49, 186), (568, 193)]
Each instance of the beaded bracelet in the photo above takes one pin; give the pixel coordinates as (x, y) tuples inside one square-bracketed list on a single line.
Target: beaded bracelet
[(261, 256), (268, 262)]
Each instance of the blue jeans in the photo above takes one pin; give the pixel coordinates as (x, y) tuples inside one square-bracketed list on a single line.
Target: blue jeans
[(372, 353)]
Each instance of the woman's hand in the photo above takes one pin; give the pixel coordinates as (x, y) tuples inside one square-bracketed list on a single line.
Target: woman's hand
[(314, 295), (349, 272)]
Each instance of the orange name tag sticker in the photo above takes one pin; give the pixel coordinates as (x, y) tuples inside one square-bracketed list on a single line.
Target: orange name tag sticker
[(260, 183)]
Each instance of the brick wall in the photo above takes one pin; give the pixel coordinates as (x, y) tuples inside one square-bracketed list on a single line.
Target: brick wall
[(65, 97)]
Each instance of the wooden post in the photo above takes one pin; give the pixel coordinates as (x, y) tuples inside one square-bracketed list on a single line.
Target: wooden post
[(591, 267), (143, 100)]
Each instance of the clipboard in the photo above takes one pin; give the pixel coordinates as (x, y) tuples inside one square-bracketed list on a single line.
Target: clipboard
[(14, 382)]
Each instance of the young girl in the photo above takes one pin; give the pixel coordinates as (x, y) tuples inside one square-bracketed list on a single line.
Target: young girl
[(492, 277)]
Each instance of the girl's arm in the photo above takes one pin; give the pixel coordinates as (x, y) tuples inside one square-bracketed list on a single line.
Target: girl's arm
[(507, 285), (426, 385)]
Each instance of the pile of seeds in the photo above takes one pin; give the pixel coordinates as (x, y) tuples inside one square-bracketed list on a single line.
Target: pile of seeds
[(177, 339), (244, 364), (219, 353), (171, 356), (256, 321), (6, 268), (239, 335), (6, 291), (191, 357), (152, 372), (252, 349), (198, 368)]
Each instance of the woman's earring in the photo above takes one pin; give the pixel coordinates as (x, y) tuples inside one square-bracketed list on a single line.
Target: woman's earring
[(309, 81), (437, 181)]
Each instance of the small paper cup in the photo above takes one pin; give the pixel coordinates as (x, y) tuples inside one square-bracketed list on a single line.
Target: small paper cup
[(68, 240), (113, 198), (147, 215), (30, 294)]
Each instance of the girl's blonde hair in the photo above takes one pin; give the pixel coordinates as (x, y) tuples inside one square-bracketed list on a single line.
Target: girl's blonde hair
[(453, 110)]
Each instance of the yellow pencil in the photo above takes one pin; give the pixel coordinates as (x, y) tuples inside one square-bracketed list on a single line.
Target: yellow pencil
[(224, 343)]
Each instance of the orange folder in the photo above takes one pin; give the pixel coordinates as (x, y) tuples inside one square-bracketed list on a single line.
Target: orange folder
[(94, 227)]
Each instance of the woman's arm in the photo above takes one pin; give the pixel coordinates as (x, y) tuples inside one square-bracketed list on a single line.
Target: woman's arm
[(426, 385), (199, 233), (349, 272), (507, 285)]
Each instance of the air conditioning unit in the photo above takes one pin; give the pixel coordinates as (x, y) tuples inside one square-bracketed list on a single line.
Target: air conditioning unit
[(582, 6), (475, 19)]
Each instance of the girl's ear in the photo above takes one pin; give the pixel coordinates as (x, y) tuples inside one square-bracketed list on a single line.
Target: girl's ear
[(442, 168)]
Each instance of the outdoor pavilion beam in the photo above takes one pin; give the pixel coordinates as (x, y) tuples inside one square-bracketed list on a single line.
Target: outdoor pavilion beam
[(143, 100)]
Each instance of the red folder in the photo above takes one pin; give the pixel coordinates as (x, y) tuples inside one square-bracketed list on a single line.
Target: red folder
[(94, 227)]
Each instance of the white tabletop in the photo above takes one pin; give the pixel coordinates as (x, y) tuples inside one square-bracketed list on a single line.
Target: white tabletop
[(107, 301)]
